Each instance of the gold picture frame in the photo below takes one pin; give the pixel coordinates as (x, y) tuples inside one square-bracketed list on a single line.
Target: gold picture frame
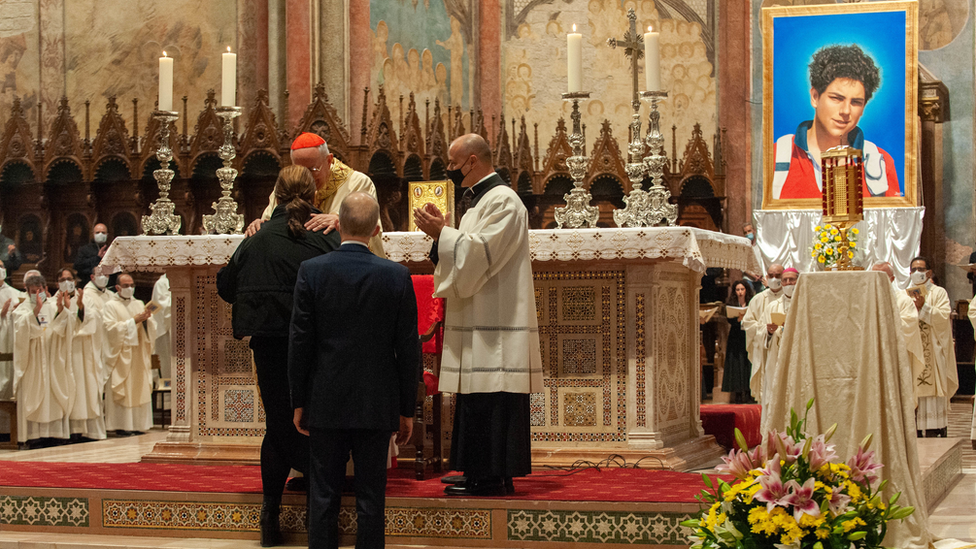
[(438, 193), (791, 34)]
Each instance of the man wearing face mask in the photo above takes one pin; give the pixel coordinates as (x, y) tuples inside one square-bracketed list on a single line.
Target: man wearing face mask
[(9, 299), (40, 383), (909, 319), (9, 256), (98, 285), (754, 323), (491, 358), (334, 181), (92, 253), (78, 346), (754, 278), (772, 334), (936, 380), (130, 331)]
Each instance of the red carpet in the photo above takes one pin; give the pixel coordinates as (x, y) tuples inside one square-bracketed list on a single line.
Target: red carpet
[(616, 485), (721, 420)]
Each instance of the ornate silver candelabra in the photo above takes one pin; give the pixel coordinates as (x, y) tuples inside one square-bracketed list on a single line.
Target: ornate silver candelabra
[(659, 210), (634, 213), (577, 211), (163, 220), (226, 220)]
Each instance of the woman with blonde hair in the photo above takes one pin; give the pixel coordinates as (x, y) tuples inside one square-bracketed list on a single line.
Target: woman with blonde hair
[(260, 281)]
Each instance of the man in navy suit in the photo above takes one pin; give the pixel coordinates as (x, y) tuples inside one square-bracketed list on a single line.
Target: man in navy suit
[(353, 367)]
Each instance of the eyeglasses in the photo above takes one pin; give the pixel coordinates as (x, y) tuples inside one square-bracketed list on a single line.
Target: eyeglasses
[(918, 269)]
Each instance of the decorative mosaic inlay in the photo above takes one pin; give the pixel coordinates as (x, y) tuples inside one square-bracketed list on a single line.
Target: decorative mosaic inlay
[(640, 374), (579, 303), (579, 409), (179, 325), (178, 515), (598, 527), (239, 405), (236, 358), (43, 511), (579, 356), (537, 409), (426, 522)]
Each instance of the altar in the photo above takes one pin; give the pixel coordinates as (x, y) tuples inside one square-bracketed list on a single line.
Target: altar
[(618, 324)]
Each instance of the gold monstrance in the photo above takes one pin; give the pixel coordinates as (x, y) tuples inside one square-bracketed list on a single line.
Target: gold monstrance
[(843, 200)]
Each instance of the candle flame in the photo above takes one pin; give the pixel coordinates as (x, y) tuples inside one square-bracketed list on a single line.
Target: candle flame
[(649, 29), (228, 49), (164, 53), (574, 27)]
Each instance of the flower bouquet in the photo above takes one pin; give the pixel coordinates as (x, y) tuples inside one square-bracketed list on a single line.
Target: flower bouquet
[(826, 248), (795, 493)]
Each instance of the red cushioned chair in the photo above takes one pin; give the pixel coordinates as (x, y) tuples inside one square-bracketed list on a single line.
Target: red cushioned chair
[(430, 324)]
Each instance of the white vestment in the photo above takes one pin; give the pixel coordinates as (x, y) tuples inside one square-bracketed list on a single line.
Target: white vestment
[(163, 298), (81, 344), (910, 331), (754, 325), (103, 296), (771, 374), (41, 378), (357, 182), (7, 292), (936, 379), (972, 320), (129, 359), (491, 337)]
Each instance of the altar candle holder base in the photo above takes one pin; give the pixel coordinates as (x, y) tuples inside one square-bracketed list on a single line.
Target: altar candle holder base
[(634, 213), (163, 220), (659, 211), (578, 212), (226, 220)]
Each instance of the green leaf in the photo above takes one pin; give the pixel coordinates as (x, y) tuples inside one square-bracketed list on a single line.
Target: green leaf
[(708, 482), (818, 545)]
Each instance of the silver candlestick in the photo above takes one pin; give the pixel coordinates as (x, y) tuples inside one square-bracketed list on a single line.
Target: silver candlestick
[(634, 213), (226, 220), (163, 220), (659, 210), (577, 212)]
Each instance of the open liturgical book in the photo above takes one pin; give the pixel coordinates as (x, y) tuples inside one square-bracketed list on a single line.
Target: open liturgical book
[(916, 291)]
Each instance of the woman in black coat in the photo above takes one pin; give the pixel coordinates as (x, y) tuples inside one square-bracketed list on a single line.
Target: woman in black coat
[(737, 365), (260, 281)]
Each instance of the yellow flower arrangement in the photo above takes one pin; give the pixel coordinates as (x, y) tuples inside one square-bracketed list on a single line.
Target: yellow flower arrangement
[(808, 500), (826, 244)]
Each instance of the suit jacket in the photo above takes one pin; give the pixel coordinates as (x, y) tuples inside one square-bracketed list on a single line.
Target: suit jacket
[(354, 350)]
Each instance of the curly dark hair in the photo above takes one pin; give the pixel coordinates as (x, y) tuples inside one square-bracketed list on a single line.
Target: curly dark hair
[(833, 62)]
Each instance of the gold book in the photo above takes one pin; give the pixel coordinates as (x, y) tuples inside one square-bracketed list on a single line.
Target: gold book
[(916, 291), (438, 193), (777, 318)]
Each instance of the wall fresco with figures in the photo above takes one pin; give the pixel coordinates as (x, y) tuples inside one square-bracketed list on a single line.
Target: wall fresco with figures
[(534, 62)]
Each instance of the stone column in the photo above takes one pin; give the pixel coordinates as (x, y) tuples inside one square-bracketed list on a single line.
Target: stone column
[(298, 65)]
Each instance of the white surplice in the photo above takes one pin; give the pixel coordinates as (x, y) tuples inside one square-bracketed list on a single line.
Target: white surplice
[(82, 345), (754, 325), (910, 331), (771, 373), (164, 298), (103, 296), (41, 376), (7, 292), (128, 357), (491, 340), (936, 379)]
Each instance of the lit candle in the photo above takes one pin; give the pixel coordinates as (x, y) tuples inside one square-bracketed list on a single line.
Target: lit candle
[(574, 43), (165, 83), (652, 60), (228, 83)]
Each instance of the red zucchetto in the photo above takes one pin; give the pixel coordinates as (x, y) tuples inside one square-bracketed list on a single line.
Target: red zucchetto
[(307, 140)]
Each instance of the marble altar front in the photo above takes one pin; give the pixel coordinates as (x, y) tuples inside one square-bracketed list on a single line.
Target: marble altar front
[(618, 319)]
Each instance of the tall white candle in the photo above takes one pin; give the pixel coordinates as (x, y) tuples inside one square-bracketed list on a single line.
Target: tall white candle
[(652, 60), (228, 82), (165, 83), (574, 43)]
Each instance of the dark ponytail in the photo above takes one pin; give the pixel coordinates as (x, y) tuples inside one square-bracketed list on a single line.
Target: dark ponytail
[(295, 189)]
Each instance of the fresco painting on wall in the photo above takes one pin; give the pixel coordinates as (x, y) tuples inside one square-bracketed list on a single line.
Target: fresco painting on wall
[(836, 74), (76, 236), (422, 48), (534, 64), (29, 238), (18, 56)]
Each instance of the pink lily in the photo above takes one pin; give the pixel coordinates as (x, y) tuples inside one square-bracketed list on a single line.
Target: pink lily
[(738, 463), (801, 498), (821, 453), (838, 502), (863, 466), (773, 491)]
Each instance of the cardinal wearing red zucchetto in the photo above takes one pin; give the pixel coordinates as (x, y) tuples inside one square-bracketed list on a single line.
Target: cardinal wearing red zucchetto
[(333, 182)]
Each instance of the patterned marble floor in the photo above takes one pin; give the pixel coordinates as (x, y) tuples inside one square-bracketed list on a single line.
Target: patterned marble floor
[(954, 518)]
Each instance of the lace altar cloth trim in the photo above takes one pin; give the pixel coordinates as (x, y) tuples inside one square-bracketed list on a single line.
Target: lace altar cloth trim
[(696, 249)]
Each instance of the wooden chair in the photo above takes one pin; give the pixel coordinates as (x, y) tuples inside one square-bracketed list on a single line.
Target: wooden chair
[(428, 310), (10, 407)]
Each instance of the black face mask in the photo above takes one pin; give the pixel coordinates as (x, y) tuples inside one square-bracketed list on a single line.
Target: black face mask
[(456, 176)]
